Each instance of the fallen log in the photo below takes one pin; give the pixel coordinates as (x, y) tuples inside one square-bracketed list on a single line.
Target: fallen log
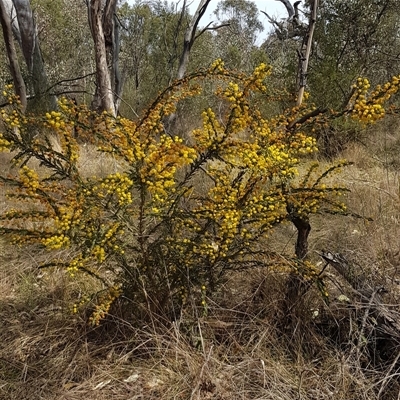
[(378, 322)]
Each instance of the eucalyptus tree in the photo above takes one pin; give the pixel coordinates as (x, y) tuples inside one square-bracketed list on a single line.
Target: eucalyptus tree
[(67, 47), (235, 42), (136, 30), (18, 14), (354, 38), (105, 32), (15, 70), (160, 42), (151, 38), (351, 38), (191, 35)]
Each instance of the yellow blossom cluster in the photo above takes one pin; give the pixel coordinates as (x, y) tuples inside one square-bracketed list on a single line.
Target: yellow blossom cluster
[(211, 134), (84, 300), (303, 144), (311, 195), (23, 128), (267, 151), (5, 145), (99, 253), (268, 208), (369, 107), (9, 95), (218, 65), (237, 208), (29, 180), (364, 110), (67, 219), (105, 300), (63, 125), (209, 250), (13, 118), (245, 200), (126, 142), (161, 163), (222, 206), (56, 242), (165, 105), (118, 185), (75, 265), (106, 240), (54, 119), (239, 117), (257, 79)]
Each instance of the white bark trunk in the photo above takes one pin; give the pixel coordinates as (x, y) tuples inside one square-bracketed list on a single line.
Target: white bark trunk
[(190, 36), (305, 58), (19, 84), (104, 90)]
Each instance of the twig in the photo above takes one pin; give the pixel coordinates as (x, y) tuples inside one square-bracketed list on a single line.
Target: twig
[(306, 117), (388, 376), (364, 324), (70, 80), (206, 361), (210, 28)]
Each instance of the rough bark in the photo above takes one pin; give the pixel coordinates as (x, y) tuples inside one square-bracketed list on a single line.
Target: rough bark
[(112, 40), (42, 100), (295, 28), (26, 30), (19, 84)]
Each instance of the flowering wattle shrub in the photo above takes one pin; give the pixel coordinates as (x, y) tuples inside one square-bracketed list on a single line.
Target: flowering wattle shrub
[(177, 217)]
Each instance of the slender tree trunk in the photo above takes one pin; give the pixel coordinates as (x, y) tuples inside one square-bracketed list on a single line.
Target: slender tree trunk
[(118, 83), (189, 38), (43, 100), (304, 58), (295, 283), (19, 84), (112, 41), (33, 57), (104, 98)]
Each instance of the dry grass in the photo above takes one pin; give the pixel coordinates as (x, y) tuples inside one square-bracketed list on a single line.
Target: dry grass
[(236, 350), (48, 355)]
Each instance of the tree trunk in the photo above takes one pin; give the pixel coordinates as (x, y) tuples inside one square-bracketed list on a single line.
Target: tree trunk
[(112, 41), (295, 284), (19, 84), (118, 81), (104, 97), (189, 38), (43, 100), (29, 43), (304, 58)]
